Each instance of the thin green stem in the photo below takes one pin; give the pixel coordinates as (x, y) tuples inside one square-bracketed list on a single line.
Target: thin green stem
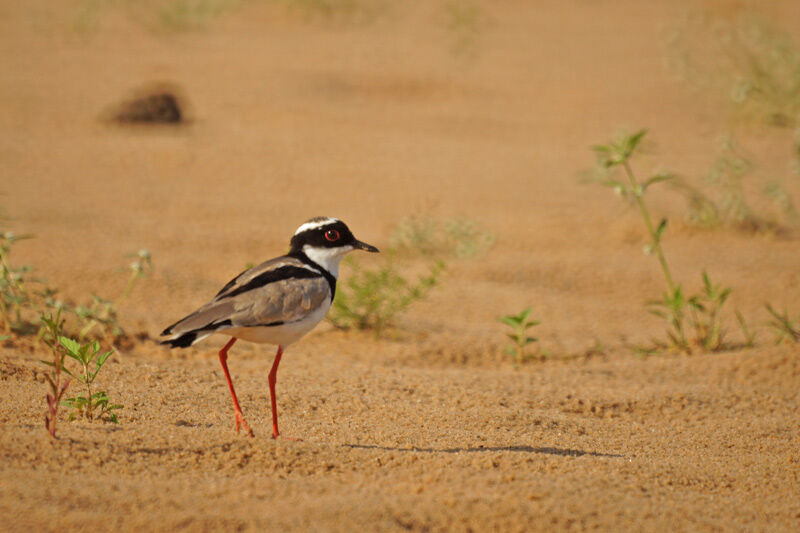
[(88, 390), (87, 328), (650, 229), (6, 309), (128, 287), (638, 193)]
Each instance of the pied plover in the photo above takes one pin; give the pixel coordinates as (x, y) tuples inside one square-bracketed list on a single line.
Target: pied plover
[(276, 302)]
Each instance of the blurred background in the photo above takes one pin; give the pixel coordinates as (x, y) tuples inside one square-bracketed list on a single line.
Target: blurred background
[(207, 130)]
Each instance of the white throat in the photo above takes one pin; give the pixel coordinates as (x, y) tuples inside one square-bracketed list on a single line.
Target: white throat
[(327, 258)]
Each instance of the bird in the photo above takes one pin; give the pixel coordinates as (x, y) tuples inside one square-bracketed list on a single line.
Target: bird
[(276, 302)]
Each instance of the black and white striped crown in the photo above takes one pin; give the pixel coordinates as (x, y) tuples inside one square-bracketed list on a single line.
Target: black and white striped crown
[(322, 232)]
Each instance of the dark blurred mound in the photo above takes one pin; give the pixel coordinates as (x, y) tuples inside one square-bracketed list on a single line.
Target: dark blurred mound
[(158, 104)]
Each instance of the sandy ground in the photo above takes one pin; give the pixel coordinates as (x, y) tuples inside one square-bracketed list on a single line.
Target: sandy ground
[(373, 119)]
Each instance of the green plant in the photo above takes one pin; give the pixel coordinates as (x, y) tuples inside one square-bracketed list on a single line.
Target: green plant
[(102, 313), (751, 63), (755, 67), (701, 311), (785, 328), (617, 154), (165, 15), (778, 194), (454, 237), (749, 337), (463, 21), (727, 174), (14, 294), (519, 325), (466, 238), (705, 314), (192, 14), (51, 333), (417, 234), (19, 303), (371, 298), (348, 11), (728, 203), (92, 405)]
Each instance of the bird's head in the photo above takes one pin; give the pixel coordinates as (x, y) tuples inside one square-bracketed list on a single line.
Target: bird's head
[(325, 241)]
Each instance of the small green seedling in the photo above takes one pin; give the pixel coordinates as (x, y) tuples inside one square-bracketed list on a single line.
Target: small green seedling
[(93, 405), (519, 336), (51, 333), (785, 328)]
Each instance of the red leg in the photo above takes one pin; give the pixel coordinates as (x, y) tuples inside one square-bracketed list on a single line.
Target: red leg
[(273, 377), (223, 358)]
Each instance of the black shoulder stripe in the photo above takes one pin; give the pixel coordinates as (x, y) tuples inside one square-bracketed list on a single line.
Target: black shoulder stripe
[(271, 276), (227, 286)]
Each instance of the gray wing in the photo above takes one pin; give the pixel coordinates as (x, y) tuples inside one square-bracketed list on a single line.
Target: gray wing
[(279, 302), (277, 291), (251, 275)]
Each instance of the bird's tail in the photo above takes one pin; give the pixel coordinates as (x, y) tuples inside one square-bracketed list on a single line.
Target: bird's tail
[(181, 336), (185, 340), (195, 327)]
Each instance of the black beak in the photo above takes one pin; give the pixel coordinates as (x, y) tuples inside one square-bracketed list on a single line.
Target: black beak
[(358, 245)]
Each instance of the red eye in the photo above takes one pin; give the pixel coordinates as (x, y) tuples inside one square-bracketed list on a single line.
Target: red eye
[(332, 235)]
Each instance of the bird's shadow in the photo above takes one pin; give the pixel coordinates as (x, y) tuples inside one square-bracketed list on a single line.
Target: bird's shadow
[(564, 452)]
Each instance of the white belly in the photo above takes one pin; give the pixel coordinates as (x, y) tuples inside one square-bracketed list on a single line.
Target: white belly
[(283, 334)]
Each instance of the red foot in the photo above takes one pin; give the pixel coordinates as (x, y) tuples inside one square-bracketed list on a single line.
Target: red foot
[(286, 438), (240, 421)]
